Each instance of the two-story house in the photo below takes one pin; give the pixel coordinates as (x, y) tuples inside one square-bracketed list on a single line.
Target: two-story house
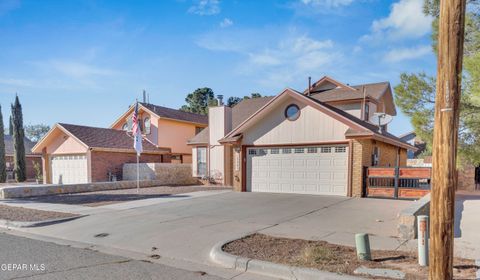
[(314, 142), (83, 154)]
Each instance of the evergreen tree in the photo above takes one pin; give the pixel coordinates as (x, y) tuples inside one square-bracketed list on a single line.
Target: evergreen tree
[(18, 142), (10, 126), (3, 167)]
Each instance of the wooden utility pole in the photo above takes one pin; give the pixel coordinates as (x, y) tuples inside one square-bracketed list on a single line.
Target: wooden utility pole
[(445, 137)]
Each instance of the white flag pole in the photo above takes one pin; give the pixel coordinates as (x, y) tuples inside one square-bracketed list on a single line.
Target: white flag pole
[(138, 173)]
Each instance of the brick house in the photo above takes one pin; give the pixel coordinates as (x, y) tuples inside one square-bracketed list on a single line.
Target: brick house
[(314, 142), (30, 157), (83, 154)]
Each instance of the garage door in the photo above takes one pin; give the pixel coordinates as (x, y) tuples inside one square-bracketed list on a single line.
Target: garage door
[(69, 169), (306, 170)]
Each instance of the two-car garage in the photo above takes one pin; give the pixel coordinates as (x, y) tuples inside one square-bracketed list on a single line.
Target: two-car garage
[(321, 170)]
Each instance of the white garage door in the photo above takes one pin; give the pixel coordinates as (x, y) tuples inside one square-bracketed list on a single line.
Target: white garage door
[(69, 169), (307, 170)]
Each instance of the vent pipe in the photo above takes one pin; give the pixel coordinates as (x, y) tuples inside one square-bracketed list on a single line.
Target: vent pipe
[(144, 96), (220, 100), (309, 85)]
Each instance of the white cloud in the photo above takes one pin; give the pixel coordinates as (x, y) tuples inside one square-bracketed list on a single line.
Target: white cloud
[(396, 55), (205, 7), (327, 3), (78, 69), (226, 22), (15, 82), (406, 20)]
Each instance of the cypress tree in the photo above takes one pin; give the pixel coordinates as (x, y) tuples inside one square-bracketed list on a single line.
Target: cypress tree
[(3, 167), (18, 142), (10, 126)]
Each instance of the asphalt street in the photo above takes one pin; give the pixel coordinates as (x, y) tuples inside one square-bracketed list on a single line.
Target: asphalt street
[(23, 258)]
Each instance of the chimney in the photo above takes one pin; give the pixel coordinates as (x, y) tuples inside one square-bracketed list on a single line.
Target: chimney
[(220, 100), (309, 85), (144, 96)]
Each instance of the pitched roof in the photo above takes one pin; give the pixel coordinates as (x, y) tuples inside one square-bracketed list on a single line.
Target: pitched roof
[(201, 138), (9, 150), (175, 114), (240, 112), (375, 91), (106, 138)]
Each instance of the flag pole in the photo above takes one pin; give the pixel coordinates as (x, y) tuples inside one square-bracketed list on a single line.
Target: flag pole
[(138, 173)]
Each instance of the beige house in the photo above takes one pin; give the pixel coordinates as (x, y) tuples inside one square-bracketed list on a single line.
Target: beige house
[(312, 142), (83, 154)]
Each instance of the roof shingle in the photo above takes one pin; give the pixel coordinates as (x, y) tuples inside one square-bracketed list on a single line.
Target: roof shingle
[(107, 138), (170, 113), (9, 150)]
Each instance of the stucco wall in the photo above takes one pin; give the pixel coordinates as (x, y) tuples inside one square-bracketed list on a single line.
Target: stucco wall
[(166, 173), (104, 162), (312, 126), (174, 135), (64, 144), (351, 108)]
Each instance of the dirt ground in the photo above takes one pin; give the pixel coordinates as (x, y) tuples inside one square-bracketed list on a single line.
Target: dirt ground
[(21, 214), (99, 198), (334, 258)]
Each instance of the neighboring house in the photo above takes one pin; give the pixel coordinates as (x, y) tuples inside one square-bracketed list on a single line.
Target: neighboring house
[(312, 142), (166, 128), (412, 139), (29, 156), (83, 154)]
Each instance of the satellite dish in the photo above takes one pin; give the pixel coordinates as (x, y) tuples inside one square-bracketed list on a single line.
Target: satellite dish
[(380, 119)]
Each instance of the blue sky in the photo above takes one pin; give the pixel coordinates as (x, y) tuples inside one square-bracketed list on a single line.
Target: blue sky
[(84, 62)]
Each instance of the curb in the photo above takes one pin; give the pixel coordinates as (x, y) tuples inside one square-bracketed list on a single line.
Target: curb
[(280, 271), (18, 224)]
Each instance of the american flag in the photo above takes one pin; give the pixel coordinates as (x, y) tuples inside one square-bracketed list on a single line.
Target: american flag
[(137, 134)]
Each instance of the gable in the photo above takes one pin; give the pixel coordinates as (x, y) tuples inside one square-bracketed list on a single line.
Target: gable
[(58, 142), (312, 126)]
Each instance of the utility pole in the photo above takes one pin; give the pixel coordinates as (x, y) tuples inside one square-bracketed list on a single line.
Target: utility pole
[(445, 137)]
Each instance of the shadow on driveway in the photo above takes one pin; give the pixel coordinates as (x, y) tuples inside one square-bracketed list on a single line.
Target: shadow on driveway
[(460, 199)]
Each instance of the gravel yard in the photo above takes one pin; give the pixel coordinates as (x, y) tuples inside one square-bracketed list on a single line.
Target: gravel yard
[(21, 214), (335, 258), (99, 198)]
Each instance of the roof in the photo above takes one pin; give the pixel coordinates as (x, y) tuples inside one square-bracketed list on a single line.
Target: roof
[(240, 113), (106, 138), (175, 114), (363, 128), (374, 91), (408, 136), (201, 138), (9, 150)]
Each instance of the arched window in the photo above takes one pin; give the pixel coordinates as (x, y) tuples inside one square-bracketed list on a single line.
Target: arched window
[(146, 125), (125, 126)]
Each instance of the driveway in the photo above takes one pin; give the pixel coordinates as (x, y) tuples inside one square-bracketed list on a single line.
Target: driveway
[(187, 229)]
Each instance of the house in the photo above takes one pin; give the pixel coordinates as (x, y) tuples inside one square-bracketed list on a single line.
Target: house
[(83, 154), (30, 157), (412, 139), (166, 128), (313, 142)]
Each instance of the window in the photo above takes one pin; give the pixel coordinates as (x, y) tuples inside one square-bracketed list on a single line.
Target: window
[(299, 150), (129, 124), (201, 161), (312, 150), (287, 151), (125, 127), (325, 150), (262, 152), (366, 112), (146, 125), (340, 149), (275, 151), (252, 152), (292, 112), (376, 156), (198, 129)]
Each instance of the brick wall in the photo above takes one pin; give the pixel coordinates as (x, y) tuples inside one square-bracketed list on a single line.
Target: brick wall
[(104, 162), (466, 177), (28, 163), (362, 156), (237, 166)]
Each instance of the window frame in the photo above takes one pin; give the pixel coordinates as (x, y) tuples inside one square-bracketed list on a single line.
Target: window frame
[(198, 162), (147, 129), (297, 114)]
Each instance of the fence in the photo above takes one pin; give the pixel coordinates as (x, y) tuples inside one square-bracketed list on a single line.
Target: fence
[(398, 182)]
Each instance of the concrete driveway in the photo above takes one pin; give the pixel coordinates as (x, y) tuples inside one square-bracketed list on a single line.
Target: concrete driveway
[(187, 229)]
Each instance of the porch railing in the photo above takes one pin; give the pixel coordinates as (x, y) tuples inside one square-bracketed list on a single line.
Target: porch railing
[(398, 182)]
